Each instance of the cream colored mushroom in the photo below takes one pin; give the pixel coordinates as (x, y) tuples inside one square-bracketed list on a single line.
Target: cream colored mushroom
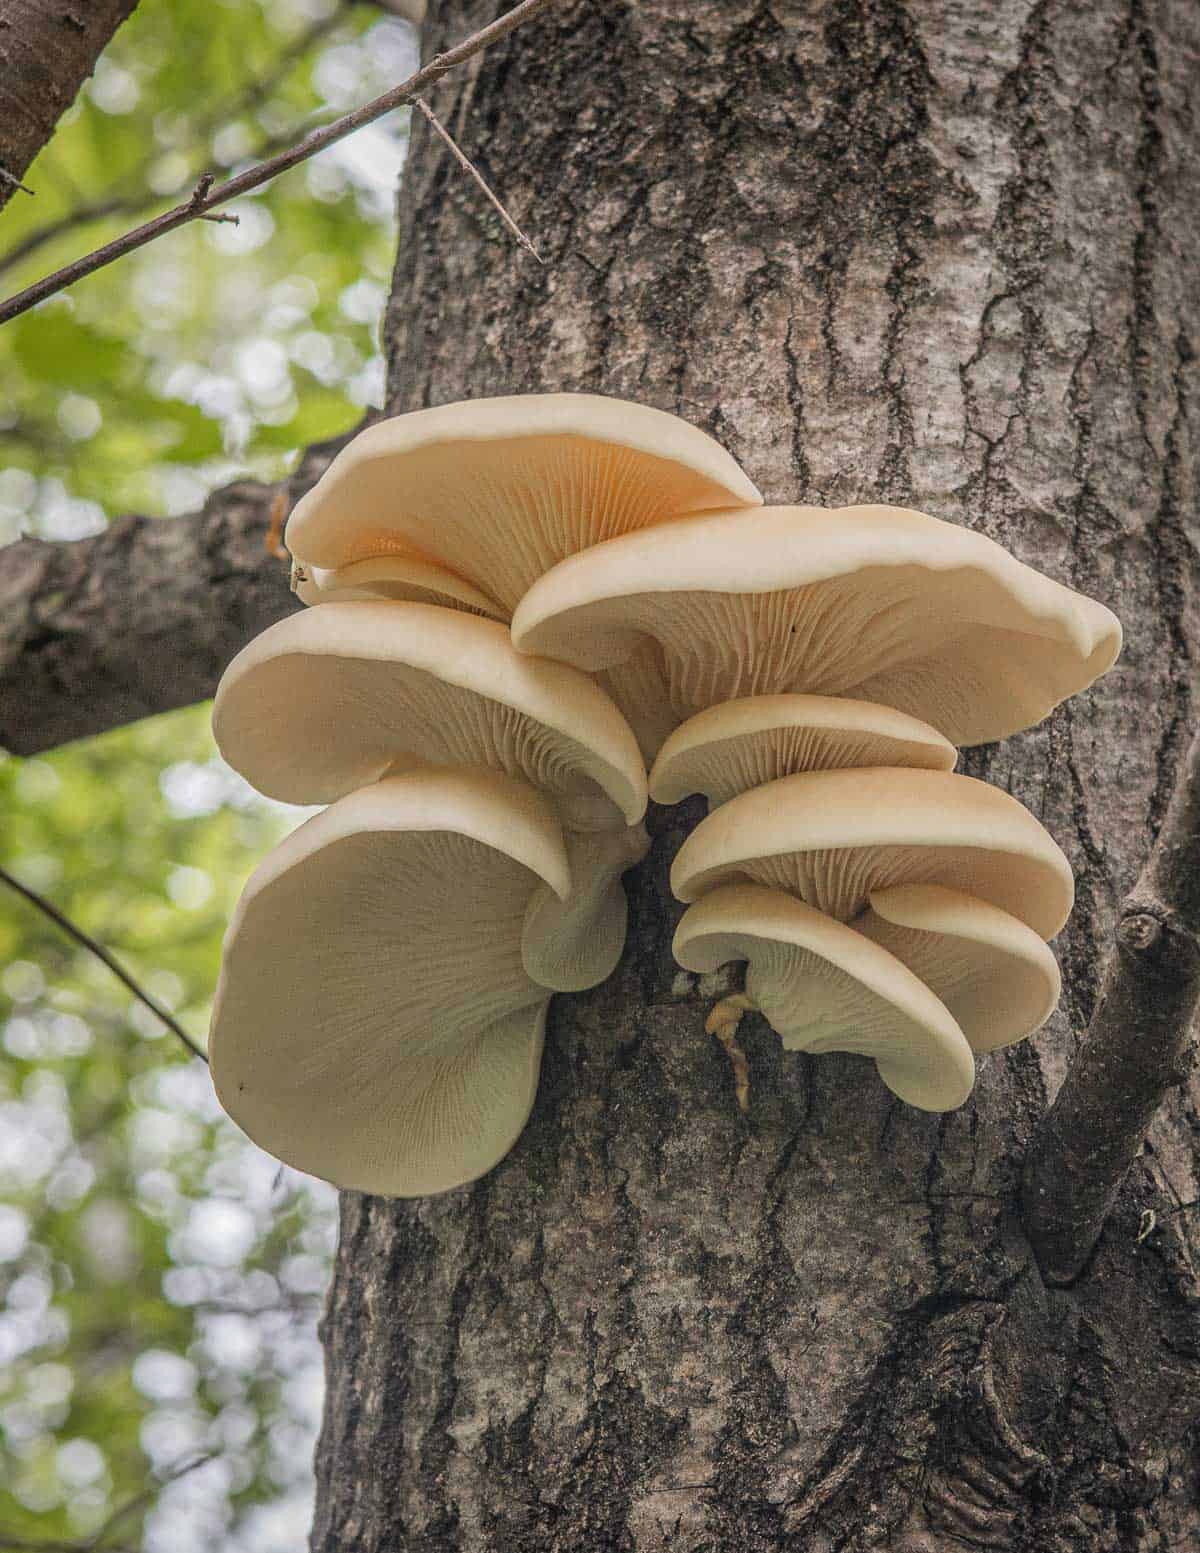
[(572, 944), (374, 1023), (832, 837), (876, 603), (499, 490), (823, 987), (742, 744), (329, 699), (993, 973), (391, 577)]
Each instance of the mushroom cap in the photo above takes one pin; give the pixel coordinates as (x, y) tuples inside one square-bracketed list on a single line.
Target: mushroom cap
[(878, 603), (831, 837), (742, 744), (373, 1022), (499, 490), (993, 973), (569, 945), (327, 700), (397, 577), (823, 987)]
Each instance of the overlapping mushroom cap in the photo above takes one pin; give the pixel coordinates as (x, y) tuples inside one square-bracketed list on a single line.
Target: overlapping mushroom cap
[(374, 1023), (499, 490), (329, 699), (832, 837), (876, 603), (823, 987), (745, 743), (400, 577), (993, 973)]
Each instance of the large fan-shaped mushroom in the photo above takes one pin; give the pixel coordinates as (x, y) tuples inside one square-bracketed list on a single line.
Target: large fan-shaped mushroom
[(327, 700), (831, 837), (499, 490), (876, 603), (374, 1023)]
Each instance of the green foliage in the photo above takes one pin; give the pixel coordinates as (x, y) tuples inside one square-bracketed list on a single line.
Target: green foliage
[(159, 1276), (220, 349)]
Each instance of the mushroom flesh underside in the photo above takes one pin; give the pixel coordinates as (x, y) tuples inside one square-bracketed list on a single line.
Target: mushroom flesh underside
[(994, 974), (362, 982), (574, 944), (824, 988), (503, 517)]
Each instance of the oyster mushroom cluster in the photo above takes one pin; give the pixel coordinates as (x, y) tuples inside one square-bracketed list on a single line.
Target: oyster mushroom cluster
[(519, 606)]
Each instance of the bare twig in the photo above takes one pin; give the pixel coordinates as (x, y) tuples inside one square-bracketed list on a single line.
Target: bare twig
[(114, 965), (14, 183), (469, 167), (244, 101), (1134, 1049), (99, 1538), (254, 177)]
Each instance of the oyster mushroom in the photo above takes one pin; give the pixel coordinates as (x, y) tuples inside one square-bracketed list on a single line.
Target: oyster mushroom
[(374, 1023)]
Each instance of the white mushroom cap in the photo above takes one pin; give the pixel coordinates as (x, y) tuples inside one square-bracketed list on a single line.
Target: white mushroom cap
[(994, 974), (831, 837), (373, 1022), (742, 744), (499, 490), (571, 944), (823, 987), (392, 577), (329, 699), (877, 603)]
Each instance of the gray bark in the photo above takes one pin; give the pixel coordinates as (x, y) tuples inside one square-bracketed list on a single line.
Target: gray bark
[(140, 618), (48, 49), (928, 253)]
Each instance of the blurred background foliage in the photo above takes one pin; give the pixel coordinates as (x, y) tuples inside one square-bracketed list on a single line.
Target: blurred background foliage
[(160, 1278)]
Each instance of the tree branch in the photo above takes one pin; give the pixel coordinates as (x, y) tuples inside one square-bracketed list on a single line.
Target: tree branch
[(205, 199), (136, 198), (86, 941), (140, 619), (1134, 1049), (50, 48)]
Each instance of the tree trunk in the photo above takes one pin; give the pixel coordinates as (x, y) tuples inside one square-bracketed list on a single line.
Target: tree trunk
[(48, 49), (936, 254)]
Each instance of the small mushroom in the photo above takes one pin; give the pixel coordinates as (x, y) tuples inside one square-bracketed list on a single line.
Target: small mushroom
[(374, 1023), (994, 974), (877, 603), (824, 987), (832, 837), (499, 490), (742, 744), (572, 944), (329, 699), (392, 577)]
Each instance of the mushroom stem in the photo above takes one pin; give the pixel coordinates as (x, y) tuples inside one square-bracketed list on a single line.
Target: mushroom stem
[(723, 1022)]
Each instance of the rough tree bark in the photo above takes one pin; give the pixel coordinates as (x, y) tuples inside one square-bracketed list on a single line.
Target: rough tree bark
[(48, 49), (142, 617), (925, 252)]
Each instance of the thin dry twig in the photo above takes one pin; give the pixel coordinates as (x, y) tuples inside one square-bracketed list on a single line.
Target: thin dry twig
[(469, 167), (1134, 1049), (249, 97), (200, 203), (14, 182), (99, 1538), (102, 954)]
